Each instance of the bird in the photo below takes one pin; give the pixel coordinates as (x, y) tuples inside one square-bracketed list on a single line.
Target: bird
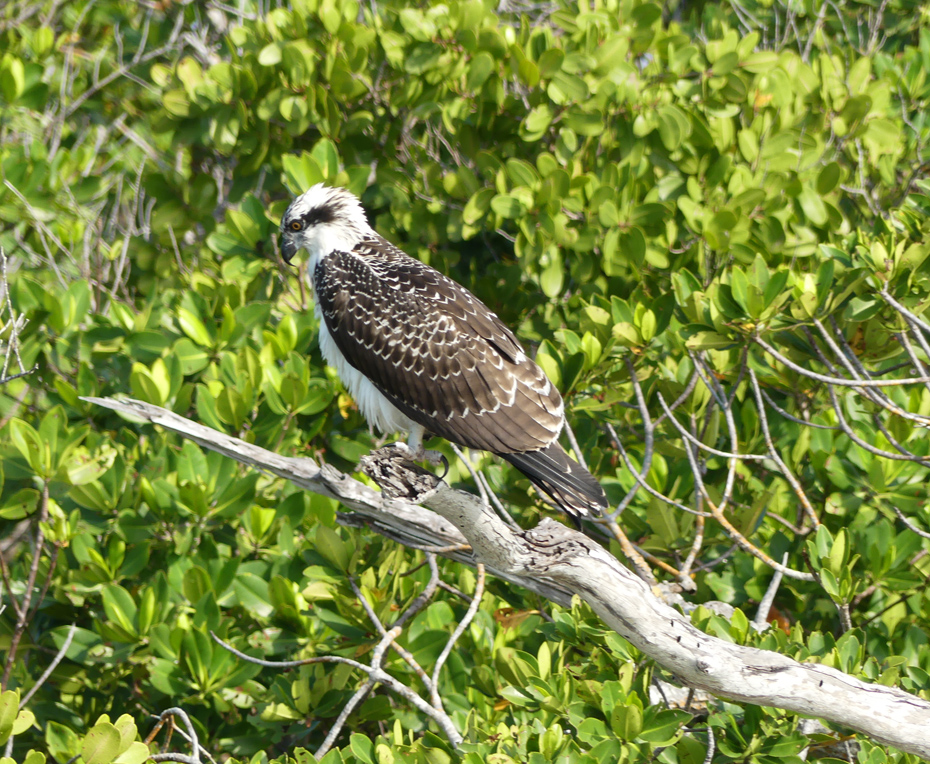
[(420, 354)]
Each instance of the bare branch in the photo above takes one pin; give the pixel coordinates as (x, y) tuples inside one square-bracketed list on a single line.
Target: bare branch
[(459, 630), (627, 605)]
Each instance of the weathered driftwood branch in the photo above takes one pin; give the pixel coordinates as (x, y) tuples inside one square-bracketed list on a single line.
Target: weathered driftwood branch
[(558, 562), (626, 604), (399, 521)]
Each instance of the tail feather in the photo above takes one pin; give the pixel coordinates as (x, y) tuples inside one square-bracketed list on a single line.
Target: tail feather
[(569, 485)]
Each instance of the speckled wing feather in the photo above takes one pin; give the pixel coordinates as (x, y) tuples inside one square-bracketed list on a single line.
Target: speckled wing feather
[(447, 362)]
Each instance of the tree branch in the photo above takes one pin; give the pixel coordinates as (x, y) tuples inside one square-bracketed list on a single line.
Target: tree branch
[(558, 562), (627, 605)]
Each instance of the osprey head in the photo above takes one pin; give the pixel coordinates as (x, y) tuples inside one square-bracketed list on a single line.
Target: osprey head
[(321, 220)]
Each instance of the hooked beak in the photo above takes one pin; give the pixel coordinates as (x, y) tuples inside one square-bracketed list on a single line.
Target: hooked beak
[(288, 248)]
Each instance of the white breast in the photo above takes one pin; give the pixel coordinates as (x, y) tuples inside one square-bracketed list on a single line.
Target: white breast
[(377, 410)]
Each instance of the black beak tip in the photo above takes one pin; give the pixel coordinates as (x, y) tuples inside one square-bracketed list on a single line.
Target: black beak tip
[(288, 249)]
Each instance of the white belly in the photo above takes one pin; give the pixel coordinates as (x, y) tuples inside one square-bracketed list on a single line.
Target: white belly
[(377, 410)]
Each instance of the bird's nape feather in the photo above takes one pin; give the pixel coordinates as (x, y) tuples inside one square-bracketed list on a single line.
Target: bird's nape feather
[(569, 485)]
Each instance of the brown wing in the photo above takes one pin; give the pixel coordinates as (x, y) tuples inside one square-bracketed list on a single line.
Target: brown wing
[(435, 350)]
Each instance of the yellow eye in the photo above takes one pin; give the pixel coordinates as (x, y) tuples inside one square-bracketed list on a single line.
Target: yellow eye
[(296, 226)]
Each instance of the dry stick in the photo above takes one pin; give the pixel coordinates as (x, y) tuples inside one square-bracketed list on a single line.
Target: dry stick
[(438, 550), (52, 564), (762, 614), (904, 519), (875, 396), (8, 751), (640, 479), (16, 325), (610, 519), (377, 656), (496, 503), (845, 618), (731, 529), (627, 605), (696, 543), (703, 446), (848, 431), (482, 491), (649, 438), (795, 419), (855, 368), (919, 335), (51, 666), (379, 675), (459, 630), (839, 381), (649, 557), (401, 651), (726, 403), (487, 495), (767, 435), (905, 342), (139, 58), (425, 596), (40, 229), (20, 627), (194, 758), (452, 590), (574, 444)]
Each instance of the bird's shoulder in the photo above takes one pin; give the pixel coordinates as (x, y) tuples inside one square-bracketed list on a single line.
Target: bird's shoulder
[(436, 351), (379, 277)]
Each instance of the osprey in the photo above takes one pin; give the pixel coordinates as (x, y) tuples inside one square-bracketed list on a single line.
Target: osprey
[(421, 354)]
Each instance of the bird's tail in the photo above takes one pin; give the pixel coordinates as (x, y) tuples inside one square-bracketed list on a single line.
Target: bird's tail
[(569, 485)]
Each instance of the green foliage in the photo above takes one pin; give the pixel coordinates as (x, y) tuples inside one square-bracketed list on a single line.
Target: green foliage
[(627, 190)]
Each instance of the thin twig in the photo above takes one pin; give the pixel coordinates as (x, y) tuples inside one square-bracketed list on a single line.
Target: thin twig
[(459, 630), (20, 628), (839, 381), (762, 614)]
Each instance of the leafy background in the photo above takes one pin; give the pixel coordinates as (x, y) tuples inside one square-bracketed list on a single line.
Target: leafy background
[(626, 184)]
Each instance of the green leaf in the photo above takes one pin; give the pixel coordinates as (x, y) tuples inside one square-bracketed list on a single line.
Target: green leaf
[(478, 206), (627, 721), (12, 78), (119, 606), (760, 62), (101, 744), (507, 206), (270, 54), (301, 172), (479, 70), (193, 359), (29, 443), (331, 547), (24, 720), (362, 748), (9, 710), (828, 178), (194, 327), (63, 743), (21, 504), (327, 158), (136, 753), (34, 757)]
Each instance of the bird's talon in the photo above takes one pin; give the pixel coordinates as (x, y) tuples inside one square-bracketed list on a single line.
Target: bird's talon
[(431, 457)]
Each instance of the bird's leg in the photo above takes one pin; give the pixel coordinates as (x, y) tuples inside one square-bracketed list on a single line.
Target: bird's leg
[(414, 451)]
